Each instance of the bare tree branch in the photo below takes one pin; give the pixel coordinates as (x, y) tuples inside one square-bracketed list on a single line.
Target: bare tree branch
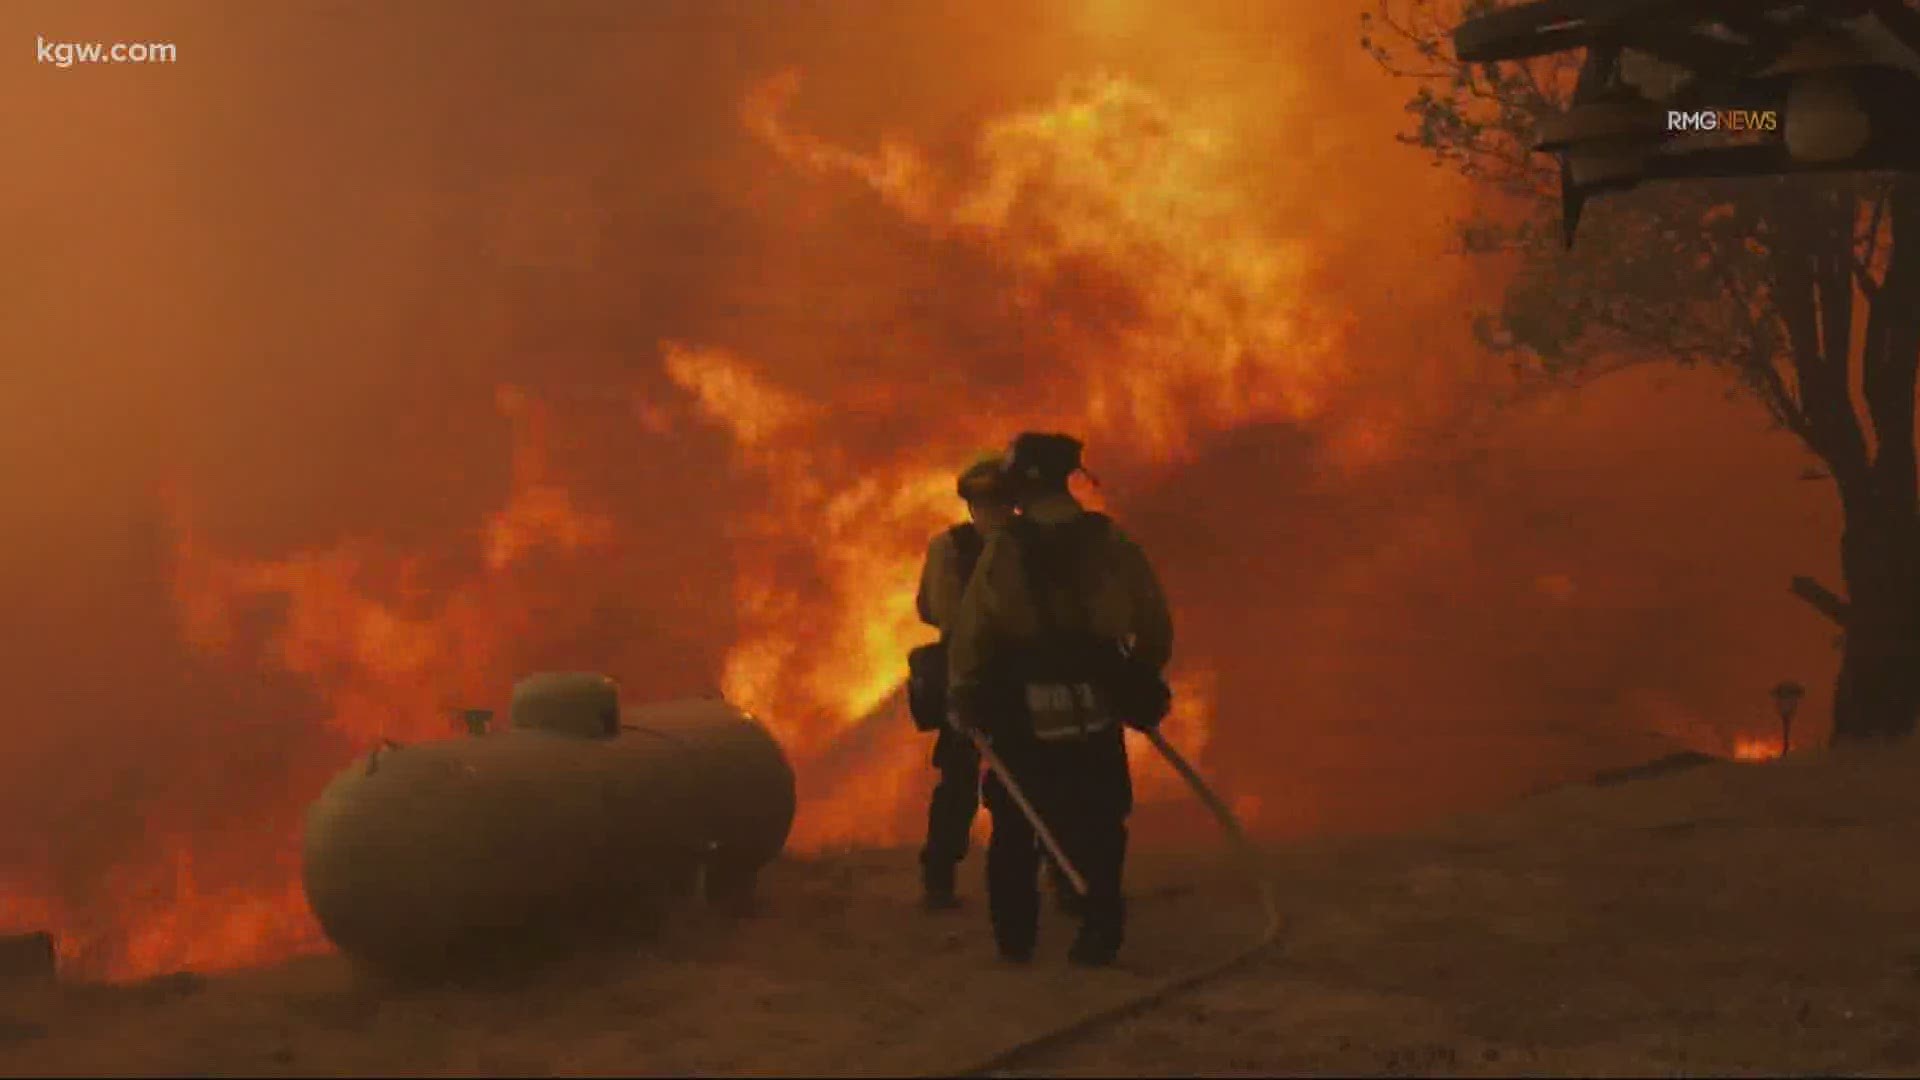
[(1755, 360), (1822, 599)]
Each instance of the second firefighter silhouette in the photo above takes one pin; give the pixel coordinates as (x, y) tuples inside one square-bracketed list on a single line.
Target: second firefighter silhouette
[(951, 559), (1059, 639)]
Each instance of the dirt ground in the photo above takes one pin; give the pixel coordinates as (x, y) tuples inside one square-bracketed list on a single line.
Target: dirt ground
[(1730, 919)]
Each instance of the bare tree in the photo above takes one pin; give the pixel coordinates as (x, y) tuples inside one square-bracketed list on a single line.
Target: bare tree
[(1765, 279)]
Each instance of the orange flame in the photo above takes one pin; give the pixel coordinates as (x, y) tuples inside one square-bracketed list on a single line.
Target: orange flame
[(183, 926), (391, 668), (1158, 317), (1108, 184), (387, 662), (1756, 748), (1114, 182), (1190, 726)]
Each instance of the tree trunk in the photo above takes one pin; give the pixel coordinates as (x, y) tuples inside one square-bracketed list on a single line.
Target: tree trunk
[(1878, 695), (1878, 692)]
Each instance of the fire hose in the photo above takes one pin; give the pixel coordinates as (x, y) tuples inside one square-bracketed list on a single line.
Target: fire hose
[(1095, 1019), (1039, 823)]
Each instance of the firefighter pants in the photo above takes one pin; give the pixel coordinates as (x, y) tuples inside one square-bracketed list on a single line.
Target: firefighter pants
[(1083, 791), (955, 803)]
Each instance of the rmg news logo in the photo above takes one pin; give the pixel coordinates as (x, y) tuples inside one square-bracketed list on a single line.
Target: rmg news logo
[(1723, 120)]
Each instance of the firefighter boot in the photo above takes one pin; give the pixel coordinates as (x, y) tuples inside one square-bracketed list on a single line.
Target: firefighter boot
[(937, 886)]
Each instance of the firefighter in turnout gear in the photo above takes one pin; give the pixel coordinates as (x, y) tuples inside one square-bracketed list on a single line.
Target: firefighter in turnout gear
[(951, 558), (1060, 639)]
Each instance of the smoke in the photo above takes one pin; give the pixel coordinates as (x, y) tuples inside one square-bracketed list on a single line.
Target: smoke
[(1592, 579), (370, 356)]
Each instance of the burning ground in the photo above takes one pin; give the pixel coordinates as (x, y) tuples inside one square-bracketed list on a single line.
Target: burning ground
[(360, 363)]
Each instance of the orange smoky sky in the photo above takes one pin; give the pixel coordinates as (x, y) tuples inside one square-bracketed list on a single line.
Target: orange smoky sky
[(369, 356)]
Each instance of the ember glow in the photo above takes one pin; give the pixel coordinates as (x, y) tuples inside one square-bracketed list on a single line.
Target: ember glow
[(1756, 748)]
